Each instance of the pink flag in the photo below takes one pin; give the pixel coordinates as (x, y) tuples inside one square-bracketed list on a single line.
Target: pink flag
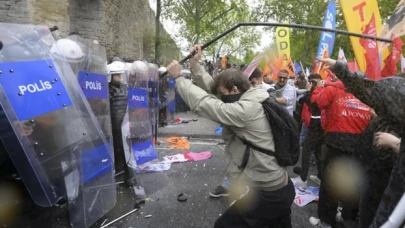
[(252, 66)]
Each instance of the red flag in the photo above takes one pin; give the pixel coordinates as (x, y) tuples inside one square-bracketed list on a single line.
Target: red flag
[(373, 70), (391, 61), (353, 66)]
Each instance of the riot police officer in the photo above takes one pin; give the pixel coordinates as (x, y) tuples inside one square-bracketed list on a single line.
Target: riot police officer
[(118, 88)]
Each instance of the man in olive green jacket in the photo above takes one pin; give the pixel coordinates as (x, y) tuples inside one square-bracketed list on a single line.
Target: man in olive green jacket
[(269, 191)]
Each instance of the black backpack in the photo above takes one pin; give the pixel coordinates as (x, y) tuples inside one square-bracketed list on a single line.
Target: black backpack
[(285, 132)]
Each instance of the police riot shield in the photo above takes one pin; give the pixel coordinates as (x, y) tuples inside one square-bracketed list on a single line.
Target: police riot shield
[(93, 80), (51, 134), (154, 98), (170, 96), (138, 133), (167, 105)]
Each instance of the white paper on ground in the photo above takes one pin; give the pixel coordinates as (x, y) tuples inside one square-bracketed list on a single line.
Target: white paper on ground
[(304, 197)]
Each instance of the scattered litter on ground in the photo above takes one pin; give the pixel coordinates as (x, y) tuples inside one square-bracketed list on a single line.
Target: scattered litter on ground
[(155, 167), (218, 130), (104, 222), (304, 197), (188, 156), (117, 219), (204, 165), (206, 184), (179, 143), (168, 160), (182, 121), (182, 197), (148, 216)]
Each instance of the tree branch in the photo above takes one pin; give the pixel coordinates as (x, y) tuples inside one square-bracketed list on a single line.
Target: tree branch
[(187, 7), (221, 15)]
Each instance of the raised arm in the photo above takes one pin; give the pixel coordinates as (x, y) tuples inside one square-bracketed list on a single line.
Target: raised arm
[(198, 73)]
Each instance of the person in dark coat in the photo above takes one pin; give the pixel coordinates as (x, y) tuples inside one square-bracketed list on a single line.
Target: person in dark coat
[(378, 163), (387, 98)]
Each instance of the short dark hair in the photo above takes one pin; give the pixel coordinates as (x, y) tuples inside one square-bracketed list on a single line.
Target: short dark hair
[(283, 71), (257, 74), (230, 78), (314, 76)]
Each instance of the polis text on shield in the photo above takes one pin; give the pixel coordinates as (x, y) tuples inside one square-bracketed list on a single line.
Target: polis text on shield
[(36, 87)]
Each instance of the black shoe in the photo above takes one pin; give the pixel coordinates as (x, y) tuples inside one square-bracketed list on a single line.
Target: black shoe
[(297, 170), (219, 192)]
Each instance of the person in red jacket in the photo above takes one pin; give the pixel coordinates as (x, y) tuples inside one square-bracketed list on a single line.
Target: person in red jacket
[(347, 118)]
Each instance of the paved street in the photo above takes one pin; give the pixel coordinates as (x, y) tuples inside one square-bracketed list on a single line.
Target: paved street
[(194, 179)]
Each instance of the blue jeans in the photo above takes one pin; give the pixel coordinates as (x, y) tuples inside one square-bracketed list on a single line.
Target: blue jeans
[(226, 184), (304, 134)]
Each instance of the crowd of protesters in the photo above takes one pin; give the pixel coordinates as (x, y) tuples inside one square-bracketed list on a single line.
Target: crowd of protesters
[(351, 125)]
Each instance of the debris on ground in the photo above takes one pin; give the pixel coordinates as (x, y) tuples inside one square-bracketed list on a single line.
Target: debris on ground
[(188, 156), (178, 143), (182, 197), (119, 218), (218, 130), (180, 121), (168, 160), (305, 196)]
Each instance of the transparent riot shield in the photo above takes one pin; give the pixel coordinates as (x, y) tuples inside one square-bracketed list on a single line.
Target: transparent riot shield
[(167, 104), (138, 134), (52, 136), (154, 98), (171, 94), (93, 80)]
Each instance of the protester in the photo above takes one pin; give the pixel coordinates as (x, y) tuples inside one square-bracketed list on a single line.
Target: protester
[(269, 192), (378, 159), (347, 118), (267, 79), (315, 139), (387, 98), (286, 94), (300, 87), (256, 80)]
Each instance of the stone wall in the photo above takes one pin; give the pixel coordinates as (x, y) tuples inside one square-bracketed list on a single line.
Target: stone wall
[(125, 27)]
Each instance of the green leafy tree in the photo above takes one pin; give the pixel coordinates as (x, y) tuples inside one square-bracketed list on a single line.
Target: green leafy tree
[(203, 20)]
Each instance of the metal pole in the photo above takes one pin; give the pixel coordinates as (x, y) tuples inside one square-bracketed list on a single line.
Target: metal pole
[(270, 24)]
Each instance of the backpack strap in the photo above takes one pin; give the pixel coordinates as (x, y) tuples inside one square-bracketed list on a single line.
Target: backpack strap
[(245, 159), (246, 155), (265, 151)]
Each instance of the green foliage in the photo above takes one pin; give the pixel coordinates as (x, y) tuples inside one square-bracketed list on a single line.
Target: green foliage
[(203, 20)]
